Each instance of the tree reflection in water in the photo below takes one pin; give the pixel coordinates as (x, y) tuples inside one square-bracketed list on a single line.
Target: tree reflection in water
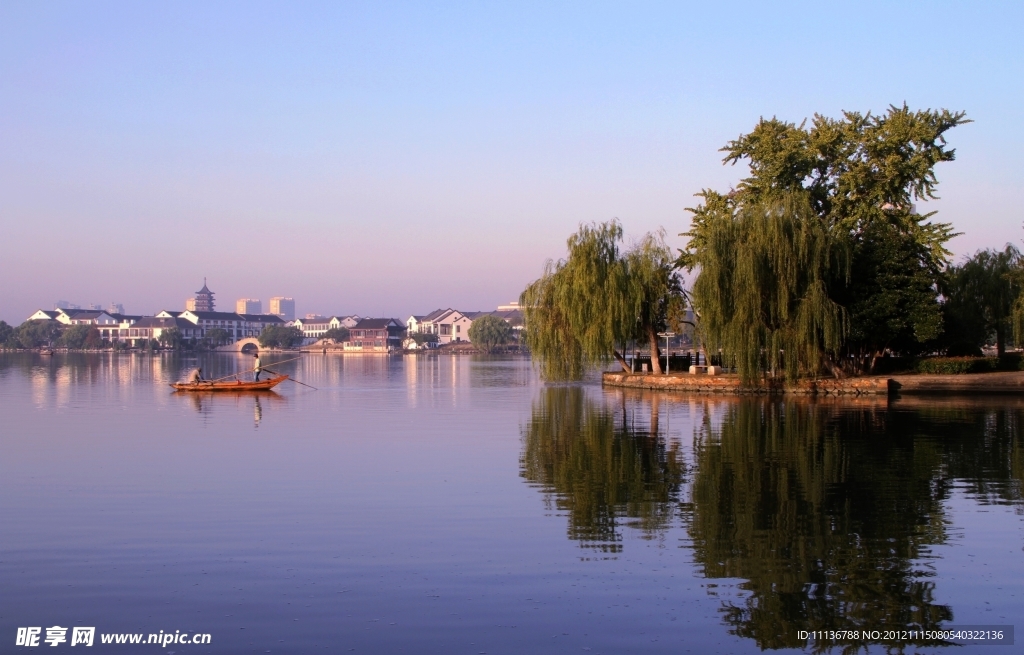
[(825, 511), (601, 471), (828, 511)]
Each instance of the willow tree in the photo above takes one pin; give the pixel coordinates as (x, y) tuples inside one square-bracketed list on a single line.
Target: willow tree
[(982, 292), (597, 299), (763, 288)]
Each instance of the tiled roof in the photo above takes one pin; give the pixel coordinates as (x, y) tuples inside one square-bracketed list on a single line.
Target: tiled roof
[(154, 322), (377, 323), (436, 314), (218, 316), (262, 318)]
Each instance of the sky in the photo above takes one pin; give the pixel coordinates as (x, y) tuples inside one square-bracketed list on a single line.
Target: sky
[(387, 159)]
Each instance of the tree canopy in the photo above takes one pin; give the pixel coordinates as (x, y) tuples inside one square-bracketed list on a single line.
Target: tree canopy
[(75, 336), (6, 334), (490, 332), (825, 229), (338, 334), (218, 336), (763, 288), (171, 338), (275, 336), (586, 306), (980, 297), (32, 334)]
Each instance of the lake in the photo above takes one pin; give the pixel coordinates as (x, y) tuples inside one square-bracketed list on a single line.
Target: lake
[(438, 504)]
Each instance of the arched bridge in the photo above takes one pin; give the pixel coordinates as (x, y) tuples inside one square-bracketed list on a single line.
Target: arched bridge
[(249, 345)]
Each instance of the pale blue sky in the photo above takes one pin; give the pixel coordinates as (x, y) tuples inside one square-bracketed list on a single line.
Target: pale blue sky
[(391, 158)]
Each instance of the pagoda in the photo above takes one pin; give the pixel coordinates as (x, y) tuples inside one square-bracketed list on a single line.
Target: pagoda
[(204, 299)]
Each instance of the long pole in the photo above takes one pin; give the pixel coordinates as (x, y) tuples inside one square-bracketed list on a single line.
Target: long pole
[(292, 379), (253, 369)]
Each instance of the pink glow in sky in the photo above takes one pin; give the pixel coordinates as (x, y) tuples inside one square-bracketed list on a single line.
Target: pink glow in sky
[(389, 159)]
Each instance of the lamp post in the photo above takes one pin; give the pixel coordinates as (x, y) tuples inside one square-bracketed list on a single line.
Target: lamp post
[(668, 360)]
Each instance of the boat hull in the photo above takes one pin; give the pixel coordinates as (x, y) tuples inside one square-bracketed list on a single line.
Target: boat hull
[(234, 386)]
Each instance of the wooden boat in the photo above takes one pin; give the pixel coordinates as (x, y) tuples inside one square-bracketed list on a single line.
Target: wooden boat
[(230, 385)]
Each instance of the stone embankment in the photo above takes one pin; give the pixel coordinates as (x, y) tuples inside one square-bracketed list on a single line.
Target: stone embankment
[(975, 383), (1007, 382)]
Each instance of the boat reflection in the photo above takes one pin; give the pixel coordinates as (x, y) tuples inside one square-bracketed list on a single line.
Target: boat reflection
[(601, 469), (204, 403)]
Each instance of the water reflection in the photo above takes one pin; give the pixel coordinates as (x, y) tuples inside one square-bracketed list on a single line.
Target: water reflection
[(826, 513), (205, 403), (600, 468)]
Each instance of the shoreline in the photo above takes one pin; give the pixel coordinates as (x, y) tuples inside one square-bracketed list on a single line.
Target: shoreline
[(1011, 382)]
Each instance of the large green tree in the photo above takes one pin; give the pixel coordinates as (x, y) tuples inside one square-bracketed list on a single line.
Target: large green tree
[(32, 334), (588, 305), (275, 336), (171, 338), (489, 332), (857, 178), (338, 334), (75, 336)]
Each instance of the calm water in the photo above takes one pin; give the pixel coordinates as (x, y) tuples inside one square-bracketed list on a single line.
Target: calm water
[(458, 505)]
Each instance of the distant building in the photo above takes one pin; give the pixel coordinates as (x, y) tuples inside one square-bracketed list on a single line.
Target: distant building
[(376, 335), (190, 304), (248, 306), (238, 326), (452, 325), (283, 307), (204, 299), (64, 304), (511, 307), (448, 324), (315, 327), (79, 317), (115, 308)]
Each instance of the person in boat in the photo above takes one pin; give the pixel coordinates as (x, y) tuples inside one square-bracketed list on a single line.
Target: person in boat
[(196, 376), (257, 368)]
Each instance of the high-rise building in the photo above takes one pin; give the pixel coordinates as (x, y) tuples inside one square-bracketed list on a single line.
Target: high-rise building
[(190, 304), (115, 308), (203, 300), (248, 306), (283, 307)]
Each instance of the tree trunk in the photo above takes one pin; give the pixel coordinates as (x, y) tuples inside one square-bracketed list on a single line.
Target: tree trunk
[(874, 359), (1000, 340), (622, 361), (837, 371), (652, 337)]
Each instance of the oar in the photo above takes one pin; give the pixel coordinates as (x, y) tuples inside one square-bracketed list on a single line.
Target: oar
[(292, 379)]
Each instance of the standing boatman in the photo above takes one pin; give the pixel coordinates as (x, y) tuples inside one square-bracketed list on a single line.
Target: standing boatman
[(257, 368)]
